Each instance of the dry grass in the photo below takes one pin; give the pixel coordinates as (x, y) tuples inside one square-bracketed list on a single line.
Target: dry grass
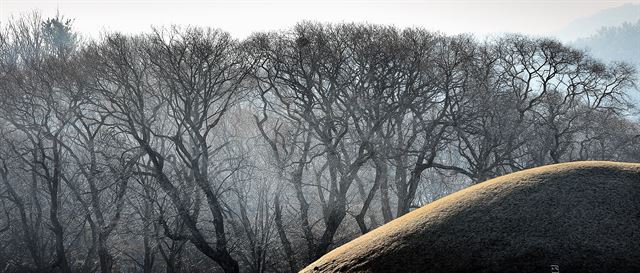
[(582, 216)]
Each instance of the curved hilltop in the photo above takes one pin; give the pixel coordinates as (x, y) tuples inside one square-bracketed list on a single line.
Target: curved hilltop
[(581, 216)]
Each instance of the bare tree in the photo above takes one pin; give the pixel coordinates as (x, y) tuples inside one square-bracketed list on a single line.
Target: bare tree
[(183, 149), (176, 85)]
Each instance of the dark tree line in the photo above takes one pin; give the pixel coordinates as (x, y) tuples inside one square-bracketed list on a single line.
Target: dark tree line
[(186, 150)]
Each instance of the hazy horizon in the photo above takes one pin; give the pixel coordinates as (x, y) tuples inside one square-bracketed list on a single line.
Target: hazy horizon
[(241, 18)]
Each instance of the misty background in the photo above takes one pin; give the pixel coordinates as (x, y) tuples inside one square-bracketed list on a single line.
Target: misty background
[(256, 136), (607, 29)]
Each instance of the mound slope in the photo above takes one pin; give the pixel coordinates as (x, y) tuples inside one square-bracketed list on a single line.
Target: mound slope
[(581, 216)]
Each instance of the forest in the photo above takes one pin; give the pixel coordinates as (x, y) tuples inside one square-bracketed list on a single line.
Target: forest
[(183, 149)]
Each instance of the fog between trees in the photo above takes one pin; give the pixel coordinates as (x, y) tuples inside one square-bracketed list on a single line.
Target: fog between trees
[(186, 150)]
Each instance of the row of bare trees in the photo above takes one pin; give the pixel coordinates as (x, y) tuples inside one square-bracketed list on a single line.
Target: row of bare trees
[(186, 150)]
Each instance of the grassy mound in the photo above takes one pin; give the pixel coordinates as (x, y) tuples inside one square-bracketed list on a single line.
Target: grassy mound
[(580, 216)]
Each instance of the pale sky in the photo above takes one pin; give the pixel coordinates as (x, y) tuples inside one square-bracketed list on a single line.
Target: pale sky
[(243, 17)]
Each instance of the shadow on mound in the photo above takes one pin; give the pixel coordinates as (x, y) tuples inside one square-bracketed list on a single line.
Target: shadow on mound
[(580, 216)]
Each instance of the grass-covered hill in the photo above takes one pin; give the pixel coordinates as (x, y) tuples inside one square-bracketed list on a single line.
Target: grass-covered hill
[(582, 216)]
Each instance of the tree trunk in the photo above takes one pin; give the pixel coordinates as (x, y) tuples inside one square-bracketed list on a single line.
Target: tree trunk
[(381, 175), (336, 214), (286, 244), (58, 231), (106, 261)]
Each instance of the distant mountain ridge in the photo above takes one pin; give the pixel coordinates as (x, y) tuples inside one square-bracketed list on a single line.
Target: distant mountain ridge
[(611, 35), (589, 25), (619, 43)]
